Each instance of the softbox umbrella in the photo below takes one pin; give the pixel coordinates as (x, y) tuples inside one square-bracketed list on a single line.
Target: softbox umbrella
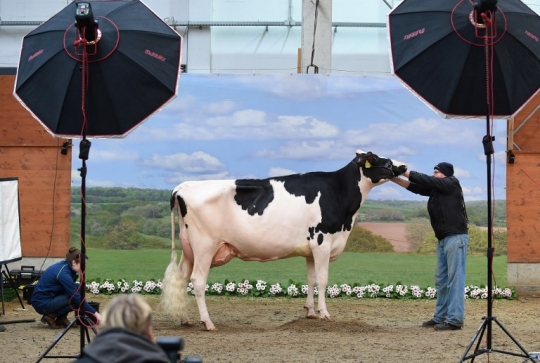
[(438, 52), (104, 82)]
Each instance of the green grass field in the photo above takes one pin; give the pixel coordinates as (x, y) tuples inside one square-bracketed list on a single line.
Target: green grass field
[(350, 268)]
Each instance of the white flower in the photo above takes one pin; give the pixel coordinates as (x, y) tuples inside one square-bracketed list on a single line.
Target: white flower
[(275, 289), (333, 291), (260, 285), (231, 286), (292, 290), (373, 290), (217, 287)]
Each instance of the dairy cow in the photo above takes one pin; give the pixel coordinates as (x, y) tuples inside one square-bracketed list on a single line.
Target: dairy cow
[(309, 215)]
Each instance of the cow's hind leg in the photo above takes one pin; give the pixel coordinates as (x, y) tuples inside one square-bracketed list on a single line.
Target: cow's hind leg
[(199, 277), (310, 305), (186, 268)]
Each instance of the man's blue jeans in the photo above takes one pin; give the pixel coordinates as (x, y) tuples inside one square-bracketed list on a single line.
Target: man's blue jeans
[(450, 279)]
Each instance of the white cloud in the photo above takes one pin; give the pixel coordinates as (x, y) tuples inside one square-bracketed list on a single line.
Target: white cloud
[(424, 131), (474, 193), (198, 163), (247, 124), (112, 154), (386, 192), (461, 173), (307, 150), (219, 107), (179, 177), (274, 172)]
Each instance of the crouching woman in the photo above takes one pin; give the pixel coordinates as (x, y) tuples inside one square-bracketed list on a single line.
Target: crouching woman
[(57, 293)]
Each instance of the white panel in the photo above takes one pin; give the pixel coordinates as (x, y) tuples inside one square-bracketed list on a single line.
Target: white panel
[(10, 237)]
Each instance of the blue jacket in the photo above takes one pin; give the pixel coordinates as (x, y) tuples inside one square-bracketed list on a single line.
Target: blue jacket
[(58, 279)]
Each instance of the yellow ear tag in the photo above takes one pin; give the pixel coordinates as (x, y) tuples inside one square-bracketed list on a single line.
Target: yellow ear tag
[(367, 164)]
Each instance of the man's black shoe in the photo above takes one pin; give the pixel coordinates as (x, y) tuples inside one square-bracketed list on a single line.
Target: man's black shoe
[(447, 326), (429, 324)]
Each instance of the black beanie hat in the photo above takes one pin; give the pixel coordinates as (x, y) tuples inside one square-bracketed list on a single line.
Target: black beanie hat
[(445, 168)]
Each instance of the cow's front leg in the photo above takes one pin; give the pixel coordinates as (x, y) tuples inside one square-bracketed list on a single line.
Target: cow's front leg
[(310, 305), (199, 278), (321, 256)]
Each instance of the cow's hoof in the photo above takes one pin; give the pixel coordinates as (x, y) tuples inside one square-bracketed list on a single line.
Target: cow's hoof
[(310, 314), (327, 318), (208, 326), (186, 323)]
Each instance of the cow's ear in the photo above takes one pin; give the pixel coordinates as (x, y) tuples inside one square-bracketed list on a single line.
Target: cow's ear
[(360, 159), (365, 159)]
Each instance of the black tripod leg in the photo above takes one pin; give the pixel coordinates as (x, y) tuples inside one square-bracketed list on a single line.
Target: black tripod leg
[(13, 286), (56, 340), (526, 354), (88, 324), (477, 336)]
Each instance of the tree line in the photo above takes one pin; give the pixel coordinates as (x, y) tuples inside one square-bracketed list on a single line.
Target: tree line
[(131, 218)]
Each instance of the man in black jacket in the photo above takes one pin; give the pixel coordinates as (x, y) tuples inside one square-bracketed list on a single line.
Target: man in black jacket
[(448, 218)]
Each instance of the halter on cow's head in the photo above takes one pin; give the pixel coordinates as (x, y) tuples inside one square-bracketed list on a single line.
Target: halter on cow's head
[(378, 168)]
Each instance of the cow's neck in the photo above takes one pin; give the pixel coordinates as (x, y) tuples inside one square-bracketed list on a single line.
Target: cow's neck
[(353, 172)]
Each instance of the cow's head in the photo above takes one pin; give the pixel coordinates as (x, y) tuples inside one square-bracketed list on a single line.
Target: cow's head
[(377, 168)]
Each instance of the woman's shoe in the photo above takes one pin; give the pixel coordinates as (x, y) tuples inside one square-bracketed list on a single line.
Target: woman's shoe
[(50, 320), (62, 321)]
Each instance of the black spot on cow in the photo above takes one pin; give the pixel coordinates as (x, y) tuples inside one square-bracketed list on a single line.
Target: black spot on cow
[(254, 195), (339, 193), (320, 239), (182, 205), (311, 231)]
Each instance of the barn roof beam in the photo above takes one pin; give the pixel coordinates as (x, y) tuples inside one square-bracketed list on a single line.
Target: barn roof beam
[(173, 23)]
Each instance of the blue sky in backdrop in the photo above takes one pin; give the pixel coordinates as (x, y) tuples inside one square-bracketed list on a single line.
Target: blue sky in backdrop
[(228, 126)]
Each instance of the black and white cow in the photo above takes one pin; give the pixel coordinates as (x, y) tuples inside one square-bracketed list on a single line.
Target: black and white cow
[(309, 215)]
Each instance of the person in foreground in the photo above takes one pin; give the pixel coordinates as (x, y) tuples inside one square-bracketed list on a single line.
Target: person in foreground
[(125, 334), (449, 221), (56, 292)]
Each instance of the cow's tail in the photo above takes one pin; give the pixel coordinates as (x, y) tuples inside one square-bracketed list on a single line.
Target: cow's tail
[(174, 286)]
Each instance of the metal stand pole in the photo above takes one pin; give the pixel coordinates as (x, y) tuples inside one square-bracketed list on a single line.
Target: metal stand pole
[(487, 141), (85, 322)]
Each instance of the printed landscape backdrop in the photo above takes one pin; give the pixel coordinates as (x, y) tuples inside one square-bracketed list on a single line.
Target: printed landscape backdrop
[(225, 126)]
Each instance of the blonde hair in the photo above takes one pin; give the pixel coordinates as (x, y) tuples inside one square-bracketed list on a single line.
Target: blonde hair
[(129, 311)]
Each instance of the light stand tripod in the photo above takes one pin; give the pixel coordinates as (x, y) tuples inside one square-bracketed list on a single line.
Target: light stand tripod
[(85, 322), (487, 141), (486, 10), (84, 334), (87, 35), (7, 277)]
